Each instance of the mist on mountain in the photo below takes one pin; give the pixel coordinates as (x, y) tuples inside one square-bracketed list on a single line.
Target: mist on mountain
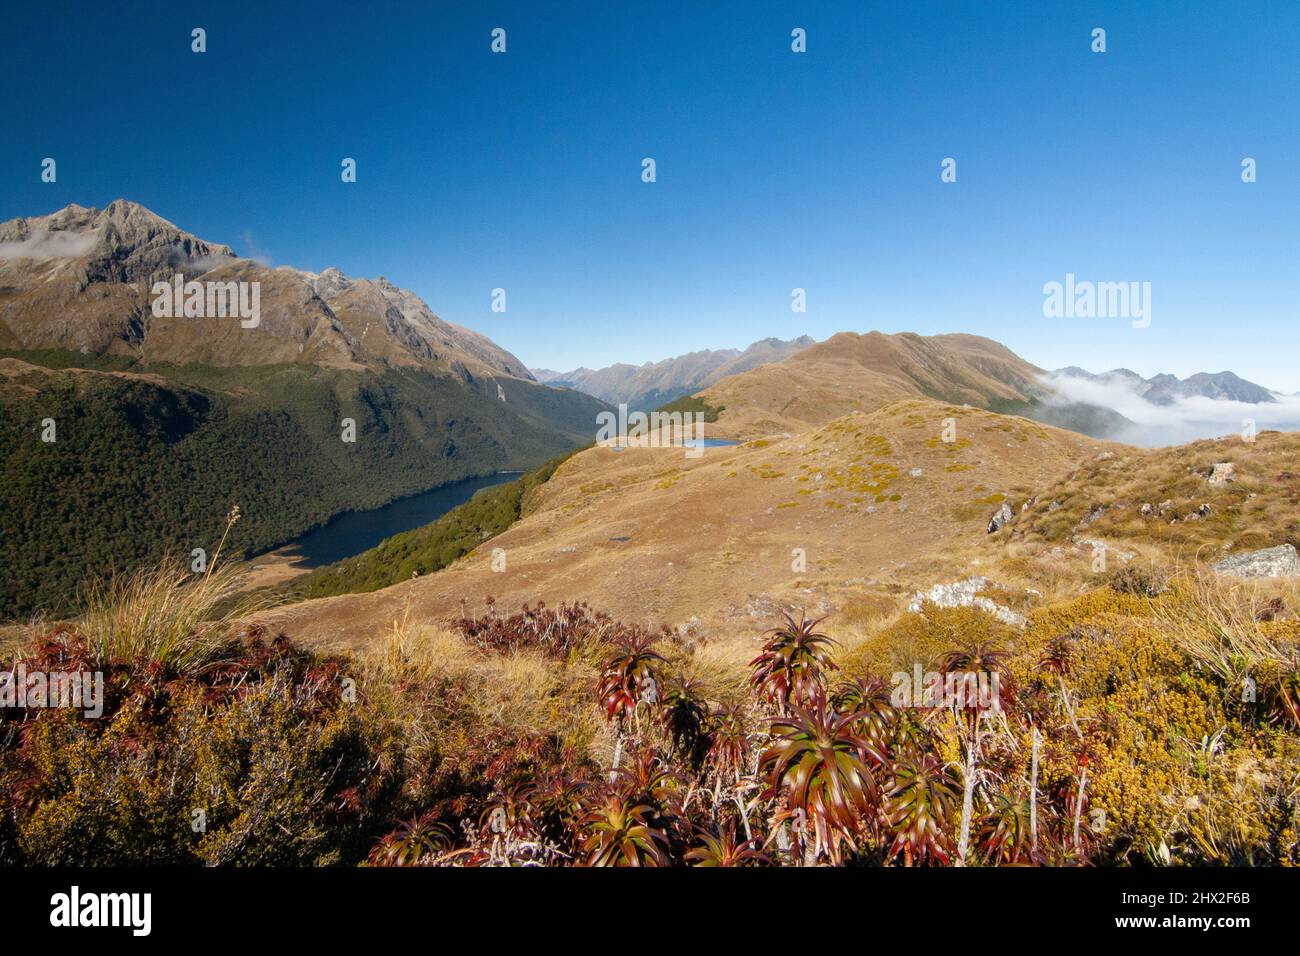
[(1174, 418)]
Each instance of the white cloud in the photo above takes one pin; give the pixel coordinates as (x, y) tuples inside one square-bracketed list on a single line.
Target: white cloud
[(1186, 419), (50, 245), (255, 251), (198, 265)]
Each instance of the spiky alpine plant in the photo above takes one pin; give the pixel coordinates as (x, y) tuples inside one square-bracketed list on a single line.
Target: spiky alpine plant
[(630, 677), (728, 744), (973, 689), (509, 813), (620, 833), (1003, 835), (419, 841), (683, 713), (1056, 841), (825, 772), (870, 698), (507, 828), (556, 803), (1059, 657), (793, 663), (646, 778), (722, 847), (969, 665), (911, 738), (667, 789), (921, 806)]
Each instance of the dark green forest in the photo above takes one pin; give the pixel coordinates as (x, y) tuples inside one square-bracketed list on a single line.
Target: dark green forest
[(693, 405), (144, 465)]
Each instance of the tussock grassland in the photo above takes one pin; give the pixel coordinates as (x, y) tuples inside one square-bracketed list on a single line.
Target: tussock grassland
[(1257, 509)]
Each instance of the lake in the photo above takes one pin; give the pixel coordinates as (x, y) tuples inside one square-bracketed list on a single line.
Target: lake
[(350, 534)]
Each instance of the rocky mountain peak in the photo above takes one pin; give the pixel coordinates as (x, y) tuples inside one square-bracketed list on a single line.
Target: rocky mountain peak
[(1166, 389), (124, 242), (80, 279), (330, 283)]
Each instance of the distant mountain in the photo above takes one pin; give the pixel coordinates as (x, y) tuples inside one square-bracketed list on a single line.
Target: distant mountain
[(1166, 389), (851, 372), (160, 424), (656, 383), (80, 279)]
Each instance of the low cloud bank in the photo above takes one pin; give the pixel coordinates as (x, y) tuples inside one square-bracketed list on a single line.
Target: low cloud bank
[(50, 245), (198, 265), (1186, 419)]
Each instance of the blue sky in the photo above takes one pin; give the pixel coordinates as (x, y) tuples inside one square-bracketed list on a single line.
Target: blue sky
[(775, 170)]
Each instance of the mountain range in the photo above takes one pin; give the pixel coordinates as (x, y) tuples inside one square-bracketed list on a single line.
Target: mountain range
[(799, 382), (861, 372), (128, 433), (648, 386), (80, 279), (1167, 389), (852, 372)]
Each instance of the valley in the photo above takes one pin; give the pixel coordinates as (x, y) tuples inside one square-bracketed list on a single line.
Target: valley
[(443, 436), (859, 509), (934, 502), (344, 396)]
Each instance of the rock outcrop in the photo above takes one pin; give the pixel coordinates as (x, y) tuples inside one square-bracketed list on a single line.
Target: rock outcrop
[(1001, 518), (1279, 562), (965, 594), (1222, 473)]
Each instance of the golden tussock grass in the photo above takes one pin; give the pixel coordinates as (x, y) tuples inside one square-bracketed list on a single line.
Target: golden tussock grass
[(167, 615), (521, 691), (1231, 627)]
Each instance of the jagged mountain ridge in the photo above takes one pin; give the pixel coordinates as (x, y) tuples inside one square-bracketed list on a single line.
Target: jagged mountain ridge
[(1165, 389), (80, 278), (655, 383)]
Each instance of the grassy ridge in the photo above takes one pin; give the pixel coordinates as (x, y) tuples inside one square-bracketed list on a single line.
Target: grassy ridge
[(426, 549)]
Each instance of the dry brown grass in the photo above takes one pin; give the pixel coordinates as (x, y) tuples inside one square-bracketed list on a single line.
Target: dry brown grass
[(1257, 510), (521, 691), (165, 615), (719, 540), (1222, 624), (867, 611), (720, 668)]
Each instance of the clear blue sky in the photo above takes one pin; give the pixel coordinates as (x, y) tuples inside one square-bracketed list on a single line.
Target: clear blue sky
[(775, 170)]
